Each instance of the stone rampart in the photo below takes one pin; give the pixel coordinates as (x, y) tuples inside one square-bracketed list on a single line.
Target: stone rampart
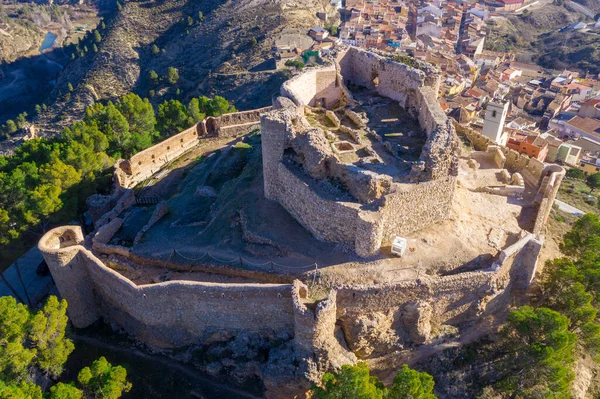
[(166, 314), (146, 163), (149, 161), (392, 210), (545, 177)]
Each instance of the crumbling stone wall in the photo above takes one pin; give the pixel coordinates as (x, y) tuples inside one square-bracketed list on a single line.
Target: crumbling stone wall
[(381, 209), (149, 161), (546, 178), (416, 206), (130, 172), (385, 317), (231, 125), (167, 314)]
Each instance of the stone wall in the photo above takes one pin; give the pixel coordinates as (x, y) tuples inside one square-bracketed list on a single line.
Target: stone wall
[(316, 86), (416, 206), (129, 173), (149, 161), (382, 210), (351, 322), (167, 314), (529, 168), (545, 177), (326, 219), (233, 124), (389, 317)]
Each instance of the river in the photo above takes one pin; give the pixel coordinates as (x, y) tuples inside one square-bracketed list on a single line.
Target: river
[(48, 42)]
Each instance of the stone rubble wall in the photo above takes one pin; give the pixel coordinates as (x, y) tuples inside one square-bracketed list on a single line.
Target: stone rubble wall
[(161, 210), (144, 164), (168, 314), (416, 206), (546, 177), (529, 168), (124, 202), (453, 300)]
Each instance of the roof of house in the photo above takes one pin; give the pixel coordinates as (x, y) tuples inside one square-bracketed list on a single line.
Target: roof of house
[(590, 126)]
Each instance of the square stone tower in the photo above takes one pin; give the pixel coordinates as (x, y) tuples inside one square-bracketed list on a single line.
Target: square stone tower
[(493, 126)]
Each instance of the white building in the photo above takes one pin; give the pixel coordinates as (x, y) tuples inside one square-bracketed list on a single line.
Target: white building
[(493, 126)]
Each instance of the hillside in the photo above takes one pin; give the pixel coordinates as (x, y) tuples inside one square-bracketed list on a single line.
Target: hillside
[(535, 36), (232, 37)]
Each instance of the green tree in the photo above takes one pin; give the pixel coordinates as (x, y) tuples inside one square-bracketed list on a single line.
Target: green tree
[(102, 25), (172, 118), (576, 173), (194, 111), (97, 36), (190, 21), (172, 75), (153, 78), (21, 119), (37, 341), (583, 238), (411, 384), (351, 382), (539, 354), (94, 48), (38, 109), (11, 126), (69, 86), (155, 50), (65, 391), (200, 16), (103, 380), (593, 181)]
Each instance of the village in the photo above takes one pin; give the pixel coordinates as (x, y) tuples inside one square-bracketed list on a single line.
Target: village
[(550, 115)]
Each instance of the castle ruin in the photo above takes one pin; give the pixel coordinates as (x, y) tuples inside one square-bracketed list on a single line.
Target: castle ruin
[(356, 152)]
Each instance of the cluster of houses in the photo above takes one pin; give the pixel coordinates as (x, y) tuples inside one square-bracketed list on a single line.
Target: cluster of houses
[(553, 116)]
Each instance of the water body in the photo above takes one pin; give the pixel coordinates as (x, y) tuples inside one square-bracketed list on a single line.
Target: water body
[(48, 42)]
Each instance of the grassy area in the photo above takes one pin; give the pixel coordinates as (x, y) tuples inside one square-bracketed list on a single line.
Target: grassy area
[(576, 193)]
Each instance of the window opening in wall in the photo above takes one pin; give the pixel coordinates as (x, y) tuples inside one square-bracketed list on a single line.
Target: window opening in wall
[(494, 114), (168, 148), (376, 80), (152, 156)]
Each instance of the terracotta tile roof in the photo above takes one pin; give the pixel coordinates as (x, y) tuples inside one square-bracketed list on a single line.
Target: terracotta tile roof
[(590, 126)]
